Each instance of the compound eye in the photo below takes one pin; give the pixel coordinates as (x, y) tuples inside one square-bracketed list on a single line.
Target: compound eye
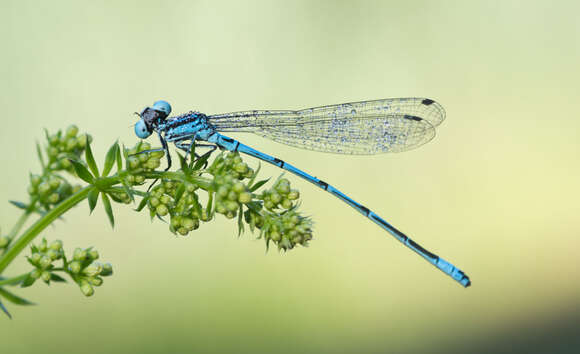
[(162, 106), (141, 129)]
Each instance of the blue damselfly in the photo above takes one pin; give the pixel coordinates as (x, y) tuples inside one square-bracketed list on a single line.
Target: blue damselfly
[(358, 128)]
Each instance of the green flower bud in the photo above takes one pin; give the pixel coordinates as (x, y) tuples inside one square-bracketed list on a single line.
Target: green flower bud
[(293, 195), (79, 254), (35, 258), (35, 274), (93, 270), (45, 276), (245, 197), (53, 198), (93, 255), (286, 204), (86, 288), (56, 245), (107, 269), (53, 255), (75, 267), (35, 180), (275, 198), (161, 210), (4, 241), (231, 206), (96, 281), (44, 188), (72, 131)]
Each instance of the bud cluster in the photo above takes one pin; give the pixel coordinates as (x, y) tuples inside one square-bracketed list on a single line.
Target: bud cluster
[(286, 229), (62, 147), (280, 196), (50, 189), (82, 267), (42, 259), (180, 201), (86, 272), (230, 164), (231, 194), (138, 162)]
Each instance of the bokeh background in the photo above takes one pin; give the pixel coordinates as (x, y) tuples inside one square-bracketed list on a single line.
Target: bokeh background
[(496, 192)]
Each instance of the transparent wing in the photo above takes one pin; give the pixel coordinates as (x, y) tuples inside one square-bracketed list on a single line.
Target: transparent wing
[(364, 128)]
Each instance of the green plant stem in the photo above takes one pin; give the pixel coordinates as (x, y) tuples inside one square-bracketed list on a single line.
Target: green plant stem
[(40, 225), (14, 280)]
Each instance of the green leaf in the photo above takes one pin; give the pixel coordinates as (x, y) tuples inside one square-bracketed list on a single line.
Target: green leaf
[(119, 159), (183, 164), (15, 299), (258, 185), (40, 158), (19, 205), (202, 160), (128, 189), (110, 159), (82, 171), (143, 203), (93, 198), (251, 181), (28, 281), (256, 207), (90, 159), (179, 192), (57, 278), (240, 221), (5, 310), (108, 209)]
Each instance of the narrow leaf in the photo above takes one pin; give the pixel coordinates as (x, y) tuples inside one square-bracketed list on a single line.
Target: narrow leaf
[(15, 299), (183, 164), (255, 207), (110, 159), (28, 281), (19, 205), (179, 192), (93, 198), (143, 203), (251, 181), (82, 171), (40, 158), (119, 159), (108, 209), (57, 278), (5, 310), (240, 221), (128, 189), (258, 185), (202, 160), (90, 159)]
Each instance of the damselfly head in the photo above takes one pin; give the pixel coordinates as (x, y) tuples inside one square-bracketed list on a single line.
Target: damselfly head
[(151, 117)]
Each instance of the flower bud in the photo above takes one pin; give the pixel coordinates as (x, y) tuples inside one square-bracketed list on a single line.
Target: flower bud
[(86, 288), (79, 254), (35, 274), (93, 270), (96, 281), (72, 131), (45, 276), (107, 269), (56, 245), (45, 262), (75, 267), (4, 241), (93, 255), (245, 197)]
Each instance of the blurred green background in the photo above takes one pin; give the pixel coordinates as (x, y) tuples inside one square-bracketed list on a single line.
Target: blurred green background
[(496, 192)]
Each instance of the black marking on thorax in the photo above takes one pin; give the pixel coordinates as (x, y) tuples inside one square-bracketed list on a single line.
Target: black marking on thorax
[(427, 102), (279, 162)]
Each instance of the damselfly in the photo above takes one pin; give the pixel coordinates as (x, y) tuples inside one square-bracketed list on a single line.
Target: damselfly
[(358, 128)]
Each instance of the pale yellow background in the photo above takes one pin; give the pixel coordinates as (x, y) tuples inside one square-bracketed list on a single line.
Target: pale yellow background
[(496, 192)]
